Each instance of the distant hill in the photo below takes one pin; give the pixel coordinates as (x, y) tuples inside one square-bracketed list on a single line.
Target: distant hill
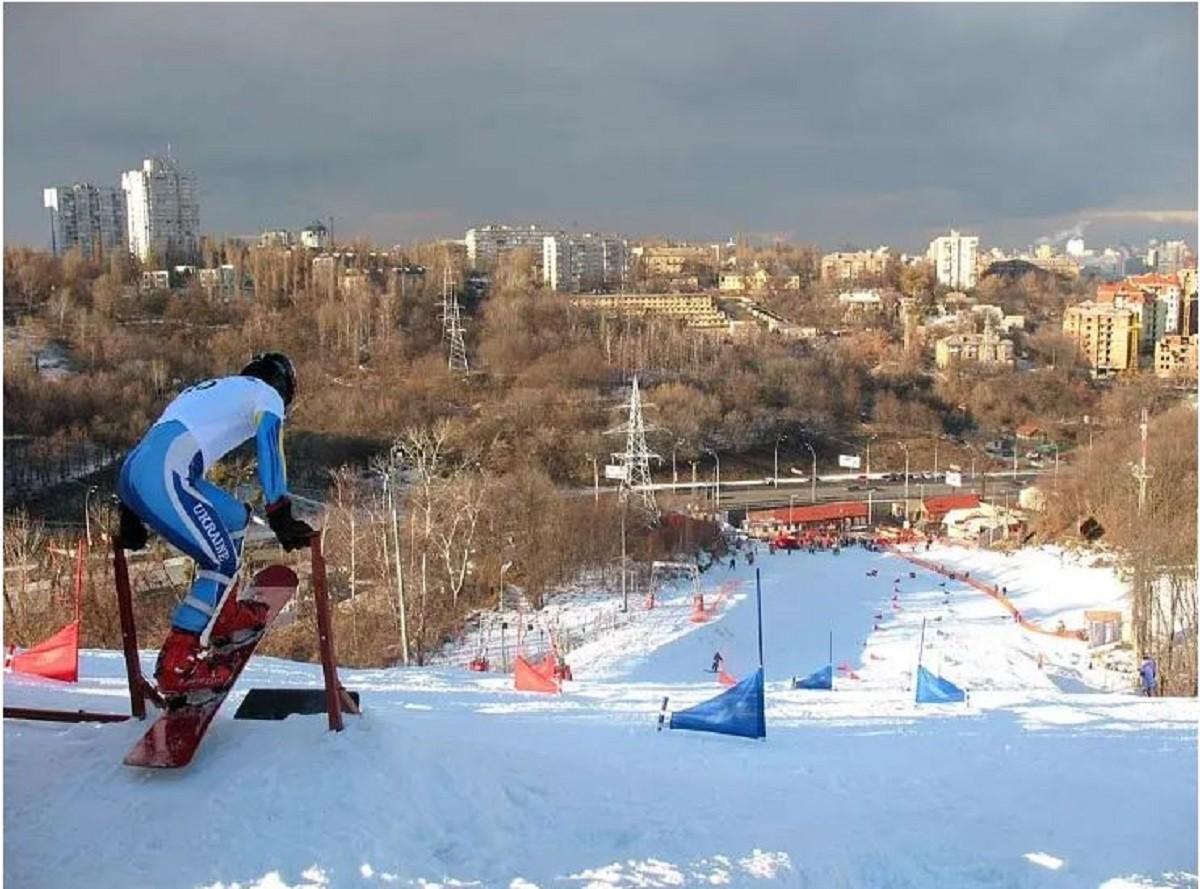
[(1017, 268)]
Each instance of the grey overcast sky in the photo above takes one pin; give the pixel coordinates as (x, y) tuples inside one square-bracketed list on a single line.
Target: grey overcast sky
[(854, 124)]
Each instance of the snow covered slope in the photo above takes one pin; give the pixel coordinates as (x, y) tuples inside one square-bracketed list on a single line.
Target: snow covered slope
[(452, 778)]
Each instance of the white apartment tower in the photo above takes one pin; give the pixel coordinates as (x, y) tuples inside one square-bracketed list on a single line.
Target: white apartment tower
[(163, 211), (953, 257), (90, 217)]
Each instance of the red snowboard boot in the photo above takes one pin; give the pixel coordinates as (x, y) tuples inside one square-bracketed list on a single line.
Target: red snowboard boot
[(183, 666), (238, 621)]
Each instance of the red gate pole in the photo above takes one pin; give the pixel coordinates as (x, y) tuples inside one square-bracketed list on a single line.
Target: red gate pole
[(333, 689), (133, 669)]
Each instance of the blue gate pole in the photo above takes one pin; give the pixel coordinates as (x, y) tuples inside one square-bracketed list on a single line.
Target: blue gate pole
[(758, 589)]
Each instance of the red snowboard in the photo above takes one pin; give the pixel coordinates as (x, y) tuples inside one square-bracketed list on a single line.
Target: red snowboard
[(171, 742)]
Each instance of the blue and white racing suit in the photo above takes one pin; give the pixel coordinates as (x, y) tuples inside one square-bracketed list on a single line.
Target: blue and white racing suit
[(162, 480)]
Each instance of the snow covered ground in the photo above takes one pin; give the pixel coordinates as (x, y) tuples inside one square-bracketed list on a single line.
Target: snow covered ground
[(451, 778)]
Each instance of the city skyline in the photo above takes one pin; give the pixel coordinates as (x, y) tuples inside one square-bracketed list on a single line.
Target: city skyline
[(854, 125)]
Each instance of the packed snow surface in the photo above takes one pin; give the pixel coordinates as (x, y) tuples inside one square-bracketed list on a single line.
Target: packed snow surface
[(1053, 774)]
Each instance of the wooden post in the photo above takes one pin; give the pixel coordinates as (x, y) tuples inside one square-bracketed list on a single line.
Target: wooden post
[(334, 694), (133, 669)]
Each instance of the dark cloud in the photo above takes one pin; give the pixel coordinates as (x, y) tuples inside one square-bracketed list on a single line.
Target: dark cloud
[(856, 123)]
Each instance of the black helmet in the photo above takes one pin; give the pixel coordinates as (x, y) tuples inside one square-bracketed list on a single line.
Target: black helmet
[(276, 370)]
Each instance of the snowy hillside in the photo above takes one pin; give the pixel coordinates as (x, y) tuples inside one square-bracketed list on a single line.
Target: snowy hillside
[(451, 778)]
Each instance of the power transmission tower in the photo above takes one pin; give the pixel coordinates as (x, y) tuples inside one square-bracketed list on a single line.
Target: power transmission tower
[(635, 459), (452, 326), (1144, 595), (1141, 471)]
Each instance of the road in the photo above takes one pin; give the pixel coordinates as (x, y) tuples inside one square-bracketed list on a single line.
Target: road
[(762, 493)]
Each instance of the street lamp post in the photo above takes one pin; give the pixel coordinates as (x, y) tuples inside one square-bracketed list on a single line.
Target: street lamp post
[(624, 588), (500, 596), (595, 478), (87, 513), (905, 447), (716, 457), (775, 477), (814, 471)]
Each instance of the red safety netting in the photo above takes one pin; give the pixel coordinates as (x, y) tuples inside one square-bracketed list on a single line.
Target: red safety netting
[(725, 679)]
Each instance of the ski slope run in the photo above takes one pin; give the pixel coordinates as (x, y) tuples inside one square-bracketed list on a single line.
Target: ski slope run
[(1050, 776)]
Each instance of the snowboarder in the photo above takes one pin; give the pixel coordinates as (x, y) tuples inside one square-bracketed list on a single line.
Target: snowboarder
[(162, 484), (1149, 673), (717, 662), (732, 563)]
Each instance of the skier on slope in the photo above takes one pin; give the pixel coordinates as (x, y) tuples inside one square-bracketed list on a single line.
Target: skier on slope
[(162, 484), (1148, 672)]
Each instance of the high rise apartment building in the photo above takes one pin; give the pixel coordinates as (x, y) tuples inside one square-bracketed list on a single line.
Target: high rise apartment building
[(1107, 335), (486, 243), (90, 217), (162, 210), (574, 264), (1171, 256), (953, 257)]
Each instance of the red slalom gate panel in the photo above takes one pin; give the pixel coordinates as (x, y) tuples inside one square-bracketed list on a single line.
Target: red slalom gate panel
[(547, 667), (527, 677), (55, 658)]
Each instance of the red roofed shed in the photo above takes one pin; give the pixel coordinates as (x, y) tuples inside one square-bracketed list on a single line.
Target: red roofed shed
[(818, 515), (937, 507)]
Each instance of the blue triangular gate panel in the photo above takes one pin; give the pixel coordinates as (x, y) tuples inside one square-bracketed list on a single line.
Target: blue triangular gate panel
[(933, 689), (739, 710), (822, 680)]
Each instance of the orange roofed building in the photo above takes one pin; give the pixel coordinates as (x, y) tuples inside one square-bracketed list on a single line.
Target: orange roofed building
[(841, 514), (936, 507)]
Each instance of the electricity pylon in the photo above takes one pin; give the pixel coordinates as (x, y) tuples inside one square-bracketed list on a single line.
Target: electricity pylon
[(635, 459), (452, 326)]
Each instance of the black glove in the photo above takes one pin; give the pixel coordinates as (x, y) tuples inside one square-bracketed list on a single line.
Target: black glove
[(132, 532), (291, 532)]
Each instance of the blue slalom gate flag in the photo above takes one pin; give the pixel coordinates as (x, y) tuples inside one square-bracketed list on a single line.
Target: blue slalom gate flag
[(822, 680), (740, 710), (933, 689)]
